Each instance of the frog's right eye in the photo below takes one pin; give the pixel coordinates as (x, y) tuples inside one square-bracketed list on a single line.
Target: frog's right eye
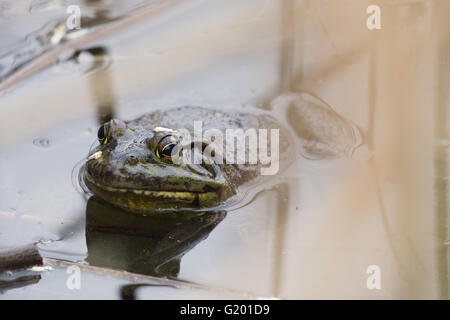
[(103, 133), (167, 147)]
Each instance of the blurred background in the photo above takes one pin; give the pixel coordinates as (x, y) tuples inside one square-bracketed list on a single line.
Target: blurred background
[(315, 233)]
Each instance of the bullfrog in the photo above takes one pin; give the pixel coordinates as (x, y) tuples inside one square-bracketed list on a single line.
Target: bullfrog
[(136, 164), (133, 168)]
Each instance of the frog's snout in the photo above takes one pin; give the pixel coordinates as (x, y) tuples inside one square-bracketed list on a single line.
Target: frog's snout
[(204, 169)]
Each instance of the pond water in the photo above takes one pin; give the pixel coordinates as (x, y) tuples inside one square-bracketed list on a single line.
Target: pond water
[(367, 187)]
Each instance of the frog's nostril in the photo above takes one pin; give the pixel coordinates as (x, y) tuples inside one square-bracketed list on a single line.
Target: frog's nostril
[(132, 160), (205, 168), (198, 161), (202, 170)]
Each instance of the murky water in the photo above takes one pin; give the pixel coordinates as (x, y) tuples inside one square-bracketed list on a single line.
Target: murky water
[(361, 191)]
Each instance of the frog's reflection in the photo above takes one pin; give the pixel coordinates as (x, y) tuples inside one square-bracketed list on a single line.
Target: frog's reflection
[(151, 245), (23, 279)]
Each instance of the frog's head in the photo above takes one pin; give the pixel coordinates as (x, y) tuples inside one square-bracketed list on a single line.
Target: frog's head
[(132, 168)]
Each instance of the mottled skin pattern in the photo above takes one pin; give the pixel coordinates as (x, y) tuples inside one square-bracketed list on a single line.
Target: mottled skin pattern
[(129, 174)]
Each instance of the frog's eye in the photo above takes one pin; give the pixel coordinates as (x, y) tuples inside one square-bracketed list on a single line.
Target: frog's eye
[(167, 147), (103, 133)]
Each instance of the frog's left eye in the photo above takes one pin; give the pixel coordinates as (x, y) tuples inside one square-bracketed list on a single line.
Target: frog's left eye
[(103, 133), (167, 147)]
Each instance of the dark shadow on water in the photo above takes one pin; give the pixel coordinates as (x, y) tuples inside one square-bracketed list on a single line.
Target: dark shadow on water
[(128, 292), (100, 82), (19, 282), (150, 245)]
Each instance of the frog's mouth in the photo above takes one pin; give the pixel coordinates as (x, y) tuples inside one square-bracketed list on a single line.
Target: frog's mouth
[(146, 201)]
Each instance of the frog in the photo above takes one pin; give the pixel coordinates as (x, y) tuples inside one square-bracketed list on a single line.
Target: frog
[(132, 166)]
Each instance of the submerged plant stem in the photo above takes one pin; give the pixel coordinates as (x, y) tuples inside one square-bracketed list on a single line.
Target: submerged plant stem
[(144, 279), (19, 257), (52, 55)]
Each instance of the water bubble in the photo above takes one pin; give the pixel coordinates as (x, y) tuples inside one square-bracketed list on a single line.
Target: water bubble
[(93, 60), (85, 57), (42, 142)]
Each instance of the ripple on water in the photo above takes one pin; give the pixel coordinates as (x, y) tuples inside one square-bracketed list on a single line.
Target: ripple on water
[(78, 181)]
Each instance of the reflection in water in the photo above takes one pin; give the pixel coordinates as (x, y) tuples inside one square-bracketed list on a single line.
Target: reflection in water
[(34, 44), (150, 245), (50, 43), (50, 35), (100, 82), (20, 281), (282, 190), (324, 134), (128, 292)]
